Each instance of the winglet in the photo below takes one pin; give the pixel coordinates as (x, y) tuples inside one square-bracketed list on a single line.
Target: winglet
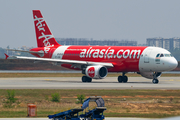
[(6, 55)]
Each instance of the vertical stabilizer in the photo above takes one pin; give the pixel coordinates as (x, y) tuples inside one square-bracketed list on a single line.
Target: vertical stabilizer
[(43, 34)]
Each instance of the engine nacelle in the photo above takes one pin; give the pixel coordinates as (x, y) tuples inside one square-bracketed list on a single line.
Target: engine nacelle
[(149, 75), (96, 72)]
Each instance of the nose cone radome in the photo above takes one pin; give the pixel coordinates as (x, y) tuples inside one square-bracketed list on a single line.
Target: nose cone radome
[(173, 63)]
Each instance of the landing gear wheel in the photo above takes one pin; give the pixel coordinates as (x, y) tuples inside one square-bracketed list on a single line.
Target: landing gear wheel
[(155, 81), (125, 79), (120, 79), (83, 78), (86, 79), (89, 79)]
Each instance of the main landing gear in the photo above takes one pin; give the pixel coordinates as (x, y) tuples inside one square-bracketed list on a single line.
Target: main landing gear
[(122, 78), (86, 79)]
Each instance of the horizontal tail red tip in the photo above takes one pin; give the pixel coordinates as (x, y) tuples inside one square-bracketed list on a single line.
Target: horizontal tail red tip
[(6, 55)]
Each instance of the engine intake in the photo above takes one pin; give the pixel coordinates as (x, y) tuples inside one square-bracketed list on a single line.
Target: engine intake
[(96, 72)]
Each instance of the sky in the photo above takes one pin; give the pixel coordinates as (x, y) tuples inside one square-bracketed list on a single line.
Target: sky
[(134, 20)]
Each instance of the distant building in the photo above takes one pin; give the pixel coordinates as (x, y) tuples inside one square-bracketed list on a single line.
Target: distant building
[(167, 43), (85, 41), (142, 45), (25, 48)]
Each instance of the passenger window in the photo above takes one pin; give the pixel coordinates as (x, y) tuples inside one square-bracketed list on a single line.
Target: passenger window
[(161, 55)]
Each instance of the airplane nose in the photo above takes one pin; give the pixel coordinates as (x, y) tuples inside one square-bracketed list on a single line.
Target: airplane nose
[(173, 63)]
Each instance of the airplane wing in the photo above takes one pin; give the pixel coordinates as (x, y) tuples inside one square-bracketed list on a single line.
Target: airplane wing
[(74, 62), (66, 61)]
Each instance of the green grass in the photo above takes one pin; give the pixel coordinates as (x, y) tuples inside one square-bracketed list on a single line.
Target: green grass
[(39, 93), (13, 114), (137, 103), (10, 75), (150, 115)]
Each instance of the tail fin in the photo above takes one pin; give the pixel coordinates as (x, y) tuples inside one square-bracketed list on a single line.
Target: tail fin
[(43, 34)]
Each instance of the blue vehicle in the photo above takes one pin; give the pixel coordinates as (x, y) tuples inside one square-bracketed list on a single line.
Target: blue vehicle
[(96, 113), (67, 115), (73, 114)]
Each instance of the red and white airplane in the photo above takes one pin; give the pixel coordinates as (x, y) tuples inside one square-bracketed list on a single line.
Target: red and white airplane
[(96, 61)]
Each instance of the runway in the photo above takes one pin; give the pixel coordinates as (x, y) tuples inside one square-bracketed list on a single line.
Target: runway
[(75, 83)]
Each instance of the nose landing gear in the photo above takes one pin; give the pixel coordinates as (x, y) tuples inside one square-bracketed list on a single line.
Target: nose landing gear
[(155, 81), (155, 75)]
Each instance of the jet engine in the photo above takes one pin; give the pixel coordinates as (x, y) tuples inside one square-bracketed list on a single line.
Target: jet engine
[(149, 75), (96, 72)]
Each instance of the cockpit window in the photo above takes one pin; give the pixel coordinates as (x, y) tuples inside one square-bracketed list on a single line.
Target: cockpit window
[(157, 55), (161, 55), (167, 55), (164, 55)]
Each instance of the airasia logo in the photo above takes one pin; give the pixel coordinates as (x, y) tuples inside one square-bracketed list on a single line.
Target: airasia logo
[(40, 27), (110, 53), (91, 72)]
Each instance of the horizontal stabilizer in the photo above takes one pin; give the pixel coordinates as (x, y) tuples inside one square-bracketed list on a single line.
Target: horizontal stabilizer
[(6, 56), (38, 52)]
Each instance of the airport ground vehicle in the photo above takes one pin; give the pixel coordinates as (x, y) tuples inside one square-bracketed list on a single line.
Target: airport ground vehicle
[(93, 114)]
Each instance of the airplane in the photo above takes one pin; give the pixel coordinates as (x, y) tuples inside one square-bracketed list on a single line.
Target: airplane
[(96, 61)]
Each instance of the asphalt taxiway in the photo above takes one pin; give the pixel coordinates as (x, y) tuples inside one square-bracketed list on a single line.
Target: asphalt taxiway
[(75, 83)]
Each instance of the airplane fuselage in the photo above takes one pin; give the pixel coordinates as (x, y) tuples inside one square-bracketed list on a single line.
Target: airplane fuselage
[(124, 58)]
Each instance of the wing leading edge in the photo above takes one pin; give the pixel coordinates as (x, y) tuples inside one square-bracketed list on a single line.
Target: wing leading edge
[(66, 61)]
